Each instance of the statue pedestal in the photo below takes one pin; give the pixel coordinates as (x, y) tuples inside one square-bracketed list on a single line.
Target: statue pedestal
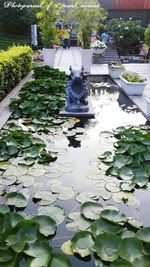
[(75, 113)]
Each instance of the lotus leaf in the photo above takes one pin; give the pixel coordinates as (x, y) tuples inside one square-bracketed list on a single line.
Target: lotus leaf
[(59, 261), (91, 210), (130, 249), (15, 199), (82, 242)]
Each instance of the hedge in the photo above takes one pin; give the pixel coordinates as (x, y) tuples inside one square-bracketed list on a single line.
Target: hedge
[(15, 63)]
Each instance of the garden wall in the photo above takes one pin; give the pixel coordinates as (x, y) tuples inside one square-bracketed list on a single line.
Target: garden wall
[(15, 63)]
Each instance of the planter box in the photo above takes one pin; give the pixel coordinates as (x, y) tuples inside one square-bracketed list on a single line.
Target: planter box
[(49, 56), (132, 88), (86, 59), (115, 73), (148, 106)]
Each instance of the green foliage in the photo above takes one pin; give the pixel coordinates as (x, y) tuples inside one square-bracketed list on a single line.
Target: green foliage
[(110, 239), (39, 99), (14, 65), (130, 160), (24, 144), (28, 240), (147, 35), (132, 77), (20, 19), (89, 17), (127, 33), (46, 17), (48, 72)]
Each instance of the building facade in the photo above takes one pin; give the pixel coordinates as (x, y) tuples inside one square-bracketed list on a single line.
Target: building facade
[(136, 9)]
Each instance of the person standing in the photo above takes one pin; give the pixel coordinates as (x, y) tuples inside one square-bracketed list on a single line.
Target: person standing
[(105, 38), (144, 52), (66, 37)]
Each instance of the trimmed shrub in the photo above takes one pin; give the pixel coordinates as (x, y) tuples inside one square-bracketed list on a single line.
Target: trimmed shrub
[(15, 63)]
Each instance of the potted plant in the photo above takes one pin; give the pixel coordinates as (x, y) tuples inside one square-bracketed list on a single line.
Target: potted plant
[(98, 47), (115, 69), (47, 17), (132, 83), (89, 17)]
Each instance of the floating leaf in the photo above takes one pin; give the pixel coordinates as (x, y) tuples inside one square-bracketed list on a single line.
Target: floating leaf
[(82, 242), (94, 175), (67, 248), (79, 223), (144, 234), (47, 225), (125, 173), (86, 196), (5, 255), (121, 263), (130, 249), (26, 180), (16, 199), (98, 263), (4, 208), (104, 226), (55, 212), (106, 246), (59, 260), (112, 187), (91, 210), (113, 215)]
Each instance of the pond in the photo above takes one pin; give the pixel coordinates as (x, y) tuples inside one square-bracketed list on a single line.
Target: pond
[(79, 142)]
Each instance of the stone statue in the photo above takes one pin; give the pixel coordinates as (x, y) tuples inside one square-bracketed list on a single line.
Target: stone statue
[(76, 91)]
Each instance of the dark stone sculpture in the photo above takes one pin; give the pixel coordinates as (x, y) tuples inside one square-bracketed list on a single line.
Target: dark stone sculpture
[(76, 92)]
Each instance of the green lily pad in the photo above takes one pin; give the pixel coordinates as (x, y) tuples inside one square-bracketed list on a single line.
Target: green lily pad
[(126, 234), (130, 249), (15, 171), (59, 260), (121, 160), (79, 222), (112, 187), (113, 215), (86, 196), (26, 180), (106, 246), (15, 199), (94, 175), (104, 226), (40, 251), (144, 234), (8, 180), (82, 242), (47, 225), (91, 210), (125, 173), (121, 263), (46, 196), (4, 208), (55, 212), (135, 223), (98, 263)]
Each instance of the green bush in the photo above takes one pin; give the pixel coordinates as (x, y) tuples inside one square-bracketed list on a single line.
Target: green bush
[(15, 63)]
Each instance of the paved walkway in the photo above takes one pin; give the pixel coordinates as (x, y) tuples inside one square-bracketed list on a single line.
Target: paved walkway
[(72, 56)]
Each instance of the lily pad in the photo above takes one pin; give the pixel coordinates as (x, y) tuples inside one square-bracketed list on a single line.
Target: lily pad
[(113, 215), (94, 175), (79, 223), (59, 260), (82, 242), (67, 248), (144, 234), (86, 196), (125, 173), (91, 210), (104, 226), (121, 263), (106, 246), (47, 225), (130, 249), (15, 199), (55, 212)]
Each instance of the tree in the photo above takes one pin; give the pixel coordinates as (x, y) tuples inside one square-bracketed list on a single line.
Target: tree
[(147, 35), (14, 20), (89, 16)]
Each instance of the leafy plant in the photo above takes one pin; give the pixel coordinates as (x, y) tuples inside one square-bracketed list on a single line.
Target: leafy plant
[(116, 65), (48, 72), (39, 98), (24, 144), (133, 77), (147, 35), (98, 45), (130, 159), (89, 17), (110, 239), (26, 241), (127, 33), (47, 16)]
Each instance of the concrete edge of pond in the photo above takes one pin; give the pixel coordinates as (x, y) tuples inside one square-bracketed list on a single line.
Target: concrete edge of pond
[(5, 113), (139, 101)]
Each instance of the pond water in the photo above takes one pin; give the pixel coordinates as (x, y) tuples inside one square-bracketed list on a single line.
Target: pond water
[(85, 141)]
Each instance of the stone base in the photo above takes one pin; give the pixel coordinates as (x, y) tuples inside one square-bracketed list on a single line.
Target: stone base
[(88, 114)]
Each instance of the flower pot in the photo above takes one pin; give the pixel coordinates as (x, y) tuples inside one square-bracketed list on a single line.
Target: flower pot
[(49, 56), (86, 59), (98, 51), (37, 63), (115, 73), (132, 88)]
